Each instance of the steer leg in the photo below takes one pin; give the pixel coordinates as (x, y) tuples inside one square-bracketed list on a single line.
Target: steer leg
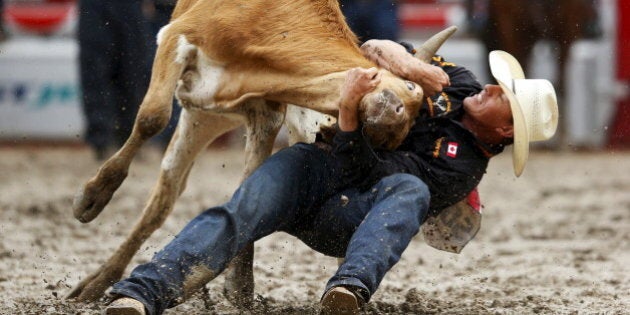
[(263, 121), (153, 116), (195, 130)]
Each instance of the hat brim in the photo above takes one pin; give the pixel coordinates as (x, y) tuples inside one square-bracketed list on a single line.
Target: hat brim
[(505, 68), (520, 148)]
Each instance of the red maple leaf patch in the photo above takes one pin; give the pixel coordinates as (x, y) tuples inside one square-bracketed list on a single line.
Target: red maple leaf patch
[(451, 150)]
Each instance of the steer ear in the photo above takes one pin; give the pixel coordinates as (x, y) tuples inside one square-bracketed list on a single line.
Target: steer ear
[(426, 51)]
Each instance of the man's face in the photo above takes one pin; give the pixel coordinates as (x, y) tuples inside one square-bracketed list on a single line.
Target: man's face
[(490, 108)]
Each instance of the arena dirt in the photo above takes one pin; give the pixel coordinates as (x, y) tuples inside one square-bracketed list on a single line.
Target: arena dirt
[(555, 241)]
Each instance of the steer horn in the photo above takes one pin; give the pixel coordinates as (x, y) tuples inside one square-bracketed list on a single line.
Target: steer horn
[(426, 51)]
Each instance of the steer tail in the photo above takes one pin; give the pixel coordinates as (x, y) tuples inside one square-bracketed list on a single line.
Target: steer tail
[(426, 51)]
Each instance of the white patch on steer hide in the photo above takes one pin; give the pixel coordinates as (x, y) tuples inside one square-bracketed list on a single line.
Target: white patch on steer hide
[(210, 73), (303, 123), (184, 47), (172, 154), (200, 81), (160, 34)]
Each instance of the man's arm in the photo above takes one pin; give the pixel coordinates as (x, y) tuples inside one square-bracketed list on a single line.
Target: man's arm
[(395, 58), (358, 82), (350, 147)]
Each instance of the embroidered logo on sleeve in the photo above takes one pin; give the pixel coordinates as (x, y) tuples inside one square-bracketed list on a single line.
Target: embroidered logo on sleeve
[(451, 150), (438, 145)]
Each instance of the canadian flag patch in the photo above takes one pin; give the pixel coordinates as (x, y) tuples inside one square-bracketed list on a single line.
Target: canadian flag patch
[(451, 150)]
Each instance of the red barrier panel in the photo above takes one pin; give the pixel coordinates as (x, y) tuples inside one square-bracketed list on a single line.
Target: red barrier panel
[(422, 15), (619, 135), (41, 18)]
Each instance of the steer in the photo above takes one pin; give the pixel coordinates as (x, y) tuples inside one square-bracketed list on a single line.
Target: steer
[(234, 62)]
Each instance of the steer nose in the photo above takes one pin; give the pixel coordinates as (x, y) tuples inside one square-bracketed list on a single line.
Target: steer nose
[(393, 103)]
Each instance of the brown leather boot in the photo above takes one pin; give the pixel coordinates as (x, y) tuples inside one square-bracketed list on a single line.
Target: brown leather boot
[(125, 306), (340, 301)]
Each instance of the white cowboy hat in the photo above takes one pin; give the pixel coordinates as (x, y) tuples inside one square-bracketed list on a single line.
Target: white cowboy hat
[(533, 103)]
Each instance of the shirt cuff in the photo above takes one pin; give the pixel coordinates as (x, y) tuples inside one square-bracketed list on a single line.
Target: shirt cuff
[(347, 136)]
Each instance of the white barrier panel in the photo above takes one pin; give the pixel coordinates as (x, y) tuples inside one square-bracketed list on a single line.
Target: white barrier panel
[(39, 90), (590, 93)]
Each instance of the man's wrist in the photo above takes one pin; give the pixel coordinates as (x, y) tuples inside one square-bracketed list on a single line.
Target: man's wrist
[(417, 71), (348, 115), (348, 121)]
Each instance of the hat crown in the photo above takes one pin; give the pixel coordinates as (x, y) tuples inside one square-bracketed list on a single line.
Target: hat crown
[(539, 104)]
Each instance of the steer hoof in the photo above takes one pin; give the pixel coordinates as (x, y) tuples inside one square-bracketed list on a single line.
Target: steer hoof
[(93, 286), (88, 204), (96, 194)]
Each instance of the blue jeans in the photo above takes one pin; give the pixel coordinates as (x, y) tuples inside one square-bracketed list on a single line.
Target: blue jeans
[(298, 191)]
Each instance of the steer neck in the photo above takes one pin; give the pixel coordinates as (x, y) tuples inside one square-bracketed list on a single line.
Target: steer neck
[(317, 93)]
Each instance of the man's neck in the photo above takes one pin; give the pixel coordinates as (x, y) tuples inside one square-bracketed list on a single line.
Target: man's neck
[(485, 135)]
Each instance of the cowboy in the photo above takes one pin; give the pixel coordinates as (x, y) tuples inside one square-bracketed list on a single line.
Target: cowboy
[(347, 199)]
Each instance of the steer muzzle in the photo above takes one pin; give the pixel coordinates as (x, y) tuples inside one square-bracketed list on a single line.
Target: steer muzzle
[(386, 119)]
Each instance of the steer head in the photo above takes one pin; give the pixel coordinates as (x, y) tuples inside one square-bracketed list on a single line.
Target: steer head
[(390, 110)]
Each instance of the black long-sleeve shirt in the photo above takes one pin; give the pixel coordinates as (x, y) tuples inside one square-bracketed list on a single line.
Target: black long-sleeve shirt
[(438, 149)]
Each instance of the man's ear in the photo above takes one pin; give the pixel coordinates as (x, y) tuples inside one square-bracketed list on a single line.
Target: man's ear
[(506, 131)]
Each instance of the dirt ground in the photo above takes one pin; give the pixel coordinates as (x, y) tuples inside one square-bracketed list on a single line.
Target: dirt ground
[(555, 241)]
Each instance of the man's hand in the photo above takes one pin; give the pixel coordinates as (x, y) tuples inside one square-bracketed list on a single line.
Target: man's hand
[(431, 78), (395, 58), (359, 81)]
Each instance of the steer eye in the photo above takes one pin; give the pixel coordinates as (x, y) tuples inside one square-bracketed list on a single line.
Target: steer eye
[(410, 85)]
